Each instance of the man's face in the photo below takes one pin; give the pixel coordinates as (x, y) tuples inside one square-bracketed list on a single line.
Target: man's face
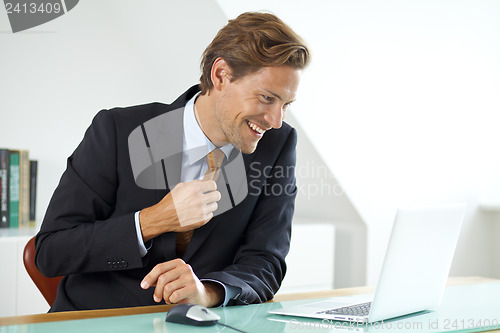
[(253, 104)]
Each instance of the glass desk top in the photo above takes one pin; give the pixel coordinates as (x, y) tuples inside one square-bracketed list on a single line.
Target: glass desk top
[(467, 308)]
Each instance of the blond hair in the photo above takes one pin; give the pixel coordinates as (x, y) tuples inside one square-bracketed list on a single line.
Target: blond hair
[(250, 42)]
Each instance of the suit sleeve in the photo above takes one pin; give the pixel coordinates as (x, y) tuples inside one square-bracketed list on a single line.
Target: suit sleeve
[(259, 266), (79, 233)]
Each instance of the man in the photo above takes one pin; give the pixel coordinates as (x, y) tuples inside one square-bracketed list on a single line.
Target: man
[(136, 219)]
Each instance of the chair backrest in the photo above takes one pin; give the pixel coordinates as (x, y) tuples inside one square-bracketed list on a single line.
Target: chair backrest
[(47, 286)]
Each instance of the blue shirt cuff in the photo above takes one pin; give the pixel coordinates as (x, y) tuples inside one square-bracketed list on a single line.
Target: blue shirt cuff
[(143, 248)]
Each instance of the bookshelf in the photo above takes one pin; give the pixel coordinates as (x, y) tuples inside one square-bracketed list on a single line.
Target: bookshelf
[(18, 175)]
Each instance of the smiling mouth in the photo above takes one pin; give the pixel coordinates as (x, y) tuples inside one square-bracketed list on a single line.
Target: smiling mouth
[(256, 128)]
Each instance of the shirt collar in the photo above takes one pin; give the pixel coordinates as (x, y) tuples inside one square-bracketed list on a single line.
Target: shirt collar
[(196, 143)]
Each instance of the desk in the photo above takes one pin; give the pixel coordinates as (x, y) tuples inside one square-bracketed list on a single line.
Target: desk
[(465, 299)]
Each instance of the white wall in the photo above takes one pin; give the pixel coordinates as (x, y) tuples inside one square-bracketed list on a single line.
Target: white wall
[(402, 103), (54, 78), (322, 200)]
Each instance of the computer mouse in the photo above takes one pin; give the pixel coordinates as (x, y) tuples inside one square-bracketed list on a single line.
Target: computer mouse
[(190, 314)]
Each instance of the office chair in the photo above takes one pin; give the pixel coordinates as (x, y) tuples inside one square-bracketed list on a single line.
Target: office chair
[(47, 286)]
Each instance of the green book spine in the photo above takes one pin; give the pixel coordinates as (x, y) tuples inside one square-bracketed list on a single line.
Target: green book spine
[(4, 188), (33, 181), (24, 189), (14, 190)]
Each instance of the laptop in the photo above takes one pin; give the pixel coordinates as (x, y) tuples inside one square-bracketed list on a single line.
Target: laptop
[(414, 273)]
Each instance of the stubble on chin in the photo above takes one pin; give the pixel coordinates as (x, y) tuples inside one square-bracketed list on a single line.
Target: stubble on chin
[(235, 138), (247, 149)]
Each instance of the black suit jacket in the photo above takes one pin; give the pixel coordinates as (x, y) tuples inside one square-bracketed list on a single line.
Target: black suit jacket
[(88, 233)]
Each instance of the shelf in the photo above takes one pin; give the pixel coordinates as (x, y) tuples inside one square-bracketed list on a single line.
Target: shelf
[(493, 207), (16, 232)]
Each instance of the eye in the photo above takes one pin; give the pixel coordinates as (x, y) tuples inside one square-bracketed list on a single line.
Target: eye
[(266, 99), (287, 106)]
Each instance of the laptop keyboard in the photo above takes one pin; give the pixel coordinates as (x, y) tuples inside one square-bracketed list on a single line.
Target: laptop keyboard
[(352, 310)]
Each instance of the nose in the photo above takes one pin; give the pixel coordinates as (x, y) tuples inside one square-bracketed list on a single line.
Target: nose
[(275, 116)]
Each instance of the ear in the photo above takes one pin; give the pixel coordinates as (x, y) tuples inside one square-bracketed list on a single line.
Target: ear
[(220, 74)]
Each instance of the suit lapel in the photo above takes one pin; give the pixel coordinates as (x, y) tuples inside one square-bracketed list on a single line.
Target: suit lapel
[(165, 135), (248, 158)]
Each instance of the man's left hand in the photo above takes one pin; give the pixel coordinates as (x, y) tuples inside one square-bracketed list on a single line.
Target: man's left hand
[(176, 282)]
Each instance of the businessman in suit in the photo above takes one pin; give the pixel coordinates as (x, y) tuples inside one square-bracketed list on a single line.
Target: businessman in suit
[(140, 216)]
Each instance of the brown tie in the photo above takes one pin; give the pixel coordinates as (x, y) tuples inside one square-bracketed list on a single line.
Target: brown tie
[(214, 161)]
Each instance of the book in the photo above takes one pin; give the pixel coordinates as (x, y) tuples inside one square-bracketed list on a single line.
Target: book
[(33, 175), (24, 189), (4, 188), (14, 189)]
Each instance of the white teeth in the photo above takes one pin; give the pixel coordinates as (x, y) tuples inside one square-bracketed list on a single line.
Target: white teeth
[(255, 128)]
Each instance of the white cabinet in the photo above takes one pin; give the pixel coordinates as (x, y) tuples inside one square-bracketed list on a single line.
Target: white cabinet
[(18, 294), (310, 261)]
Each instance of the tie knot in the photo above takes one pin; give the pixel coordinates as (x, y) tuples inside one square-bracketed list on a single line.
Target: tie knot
[(215, 158), (214, 161)]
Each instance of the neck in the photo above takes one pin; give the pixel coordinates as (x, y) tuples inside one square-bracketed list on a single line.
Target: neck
[(204, 107)]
